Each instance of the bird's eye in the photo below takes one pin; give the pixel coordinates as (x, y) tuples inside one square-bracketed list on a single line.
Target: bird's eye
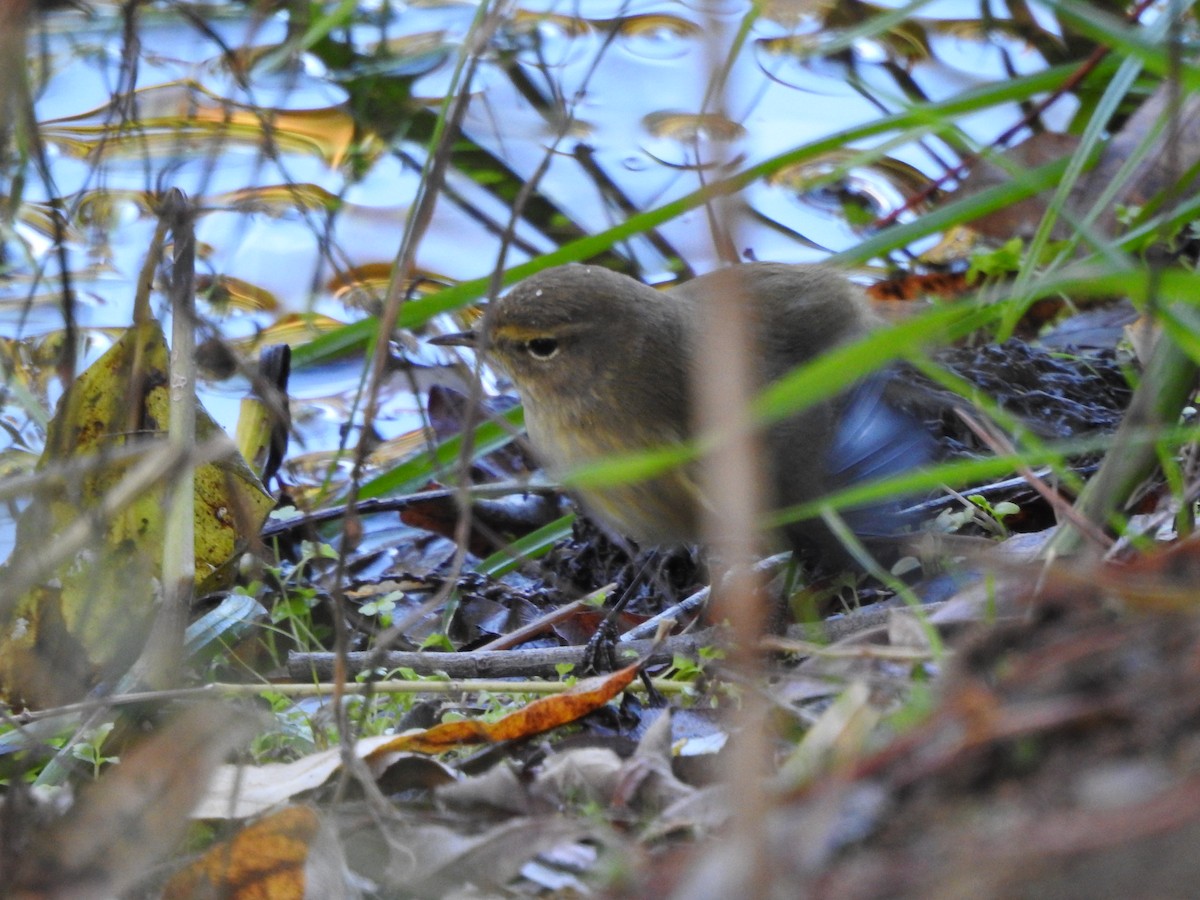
[(542, 347)]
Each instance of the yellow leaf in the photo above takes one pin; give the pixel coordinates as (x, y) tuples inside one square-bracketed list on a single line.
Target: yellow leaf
[(89, 619)]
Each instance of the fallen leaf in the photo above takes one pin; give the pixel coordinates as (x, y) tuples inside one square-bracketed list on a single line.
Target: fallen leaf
[(238, 792), (267, 860), (62, 635), (135, 814), (539, 716)]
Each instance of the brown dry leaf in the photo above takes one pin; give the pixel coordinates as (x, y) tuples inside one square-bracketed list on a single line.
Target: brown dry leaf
[(237, 792), (1167, 155), (578, 777), (499, 788), (493, 522), (648, 780), (135, 814), (539, 716), (915, 287), (267, 860), (1020, 219), (440, 515), (1160, 158), (412, 856)]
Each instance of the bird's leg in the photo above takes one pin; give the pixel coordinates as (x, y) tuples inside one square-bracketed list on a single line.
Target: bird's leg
[(600, 654)]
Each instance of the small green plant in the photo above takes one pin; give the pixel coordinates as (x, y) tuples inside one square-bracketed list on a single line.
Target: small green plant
[(438, 641), (294, 735), (981, 513), (684, 668), (382, 607), (88, 748), (916, 708), (998, 263), (291, 611), (994, 516)]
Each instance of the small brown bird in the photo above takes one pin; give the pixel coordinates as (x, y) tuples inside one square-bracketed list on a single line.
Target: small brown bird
[(602, 362)]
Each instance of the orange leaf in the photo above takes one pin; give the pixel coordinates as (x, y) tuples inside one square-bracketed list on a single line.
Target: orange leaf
[(264, 861), (539, 716)]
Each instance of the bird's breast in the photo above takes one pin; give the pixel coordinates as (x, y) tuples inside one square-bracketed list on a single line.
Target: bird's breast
[(652, 511)]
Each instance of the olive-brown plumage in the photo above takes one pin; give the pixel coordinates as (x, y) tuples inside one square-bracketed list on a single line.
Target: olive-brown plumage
[(602, 365)]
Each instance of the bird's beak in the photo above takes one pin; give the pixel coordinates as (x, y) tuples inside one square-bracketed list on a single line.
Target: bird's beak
[(458, 339)]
